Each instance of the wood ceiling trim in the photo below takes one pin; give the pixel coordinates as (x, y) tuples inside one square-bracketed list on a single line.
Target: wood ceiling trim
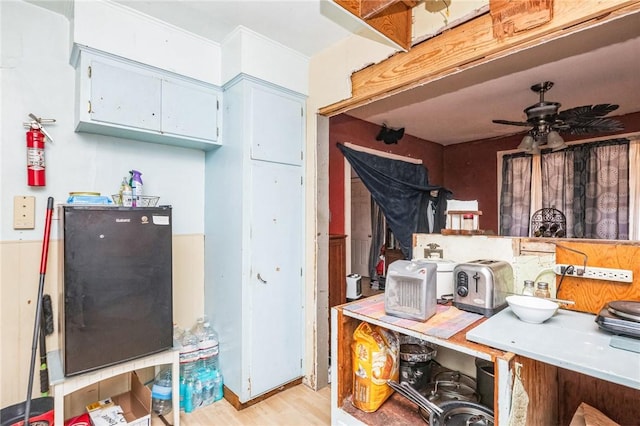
[(392, 18), (469, 44)]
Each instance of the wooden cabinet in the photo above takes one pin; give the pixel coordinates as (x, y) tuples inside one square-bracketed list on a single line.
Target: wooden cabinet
[(126, 99), (254, 245), (337, 270), (390, 256), (560, 367), (397, 409)]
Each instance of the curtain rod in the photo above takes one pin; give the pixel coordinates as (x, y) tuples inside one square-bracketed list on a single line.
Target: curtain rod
[(382, 153)]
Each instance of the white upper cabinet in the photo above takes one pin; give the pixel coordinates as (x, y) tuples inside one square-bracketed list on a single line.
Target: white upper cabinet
[(126, 99), (277, 133), (187, 109)]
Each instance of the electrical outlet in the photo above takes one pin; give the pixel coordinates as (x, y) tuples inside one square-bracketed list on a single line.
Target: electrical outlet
[(24, 212), (596, 273)]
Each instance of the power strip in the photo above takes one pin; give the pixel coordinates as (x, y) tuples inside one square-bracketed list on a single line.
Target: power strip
[(595, 273)]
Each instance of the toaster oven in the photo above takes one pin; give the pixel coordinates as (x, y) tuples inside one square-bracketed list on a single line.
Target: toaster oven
[(410, 289)]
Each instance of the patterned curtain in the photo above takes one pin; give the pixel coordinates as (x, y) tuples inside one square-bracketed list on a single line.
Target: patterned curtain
[(515, 196), (634, 190), (607, 191), (589, 184), (555, 188)]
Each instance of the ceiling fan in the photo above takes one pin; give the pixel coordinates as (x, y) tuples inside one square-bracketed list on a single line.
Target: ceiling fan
[(547, 122)]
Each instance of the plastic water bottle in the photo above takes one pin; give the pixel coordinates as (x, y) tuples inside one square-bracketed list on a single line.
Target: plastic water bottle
[(161, 401), (207, 379), (178, 333), (189, 350), (218, 388), (197, 393), (188, 396), (208, 347), (188, 359)]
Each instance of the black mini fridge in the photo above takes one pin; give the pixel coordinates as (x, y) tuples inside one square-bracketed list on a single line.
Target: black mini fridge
[(117, 288)]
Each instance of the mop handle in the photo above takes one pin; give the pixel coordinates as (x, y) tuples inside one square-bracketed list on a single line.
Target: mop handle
[(47, 230), (36, 328)]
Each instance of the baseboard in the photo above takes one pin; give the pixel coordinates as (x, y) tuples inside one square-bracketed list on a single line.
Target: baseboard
[(233, 399)]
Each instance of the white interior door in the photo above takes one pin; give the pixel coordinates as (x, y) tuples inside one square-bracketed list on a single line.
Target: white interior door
[(275, 283), (360, 227)]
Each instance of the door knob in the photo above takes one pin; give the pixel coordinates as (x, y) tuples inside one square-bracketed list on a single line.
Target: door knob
[(263, 281)]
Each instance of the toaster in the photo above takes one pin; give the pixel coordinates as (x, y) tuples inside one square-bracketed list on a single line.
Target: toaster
[(410, 290), (482, 286)]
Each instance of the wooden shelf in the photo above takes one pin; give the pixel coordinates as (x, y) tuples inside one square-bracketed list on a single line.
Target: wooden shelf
[(62, 386), (394, 410)]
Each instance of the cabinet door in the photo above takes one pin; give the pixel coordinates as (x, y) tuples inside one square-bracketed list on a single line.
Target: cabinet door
[(124, 97), (189, 110), (275, 282), (277, 133)]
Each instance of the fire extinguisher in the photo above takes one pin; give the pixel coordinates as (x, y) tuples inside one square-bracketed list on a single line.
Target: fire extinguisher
[(36, 137)]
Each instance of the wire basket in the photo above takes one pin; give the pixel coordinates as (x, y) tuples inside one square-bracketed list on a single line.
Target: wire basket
[(548, 222), (145, 200)]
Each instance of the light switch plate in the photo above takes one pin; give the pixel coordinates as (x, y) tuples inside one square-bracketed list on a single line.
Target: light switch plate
[(24, 212)]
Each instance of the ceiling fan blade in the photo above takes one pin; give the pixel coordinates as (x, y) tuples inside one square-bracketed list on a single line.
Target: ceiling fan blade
[(588, 119), (586, 113), (596, 125), (512, 123)]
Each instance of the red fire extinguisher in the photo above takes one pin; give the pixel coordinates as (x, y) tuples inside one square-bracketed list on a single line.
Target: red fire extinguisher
[(36, 137)]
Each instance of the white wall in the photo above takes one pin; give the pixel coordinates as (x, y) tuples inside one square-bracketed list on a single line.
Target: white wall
[(37, 78)]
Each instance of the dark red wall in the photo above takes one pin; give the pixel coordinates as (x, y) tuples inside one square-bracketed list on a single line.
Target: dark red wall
[(468, 169), (343, 128), (471, 172), (471, 169)]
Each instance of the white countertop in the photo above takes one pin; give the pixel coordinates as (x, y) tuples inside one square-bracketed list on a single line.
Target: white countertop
[(570, 340)]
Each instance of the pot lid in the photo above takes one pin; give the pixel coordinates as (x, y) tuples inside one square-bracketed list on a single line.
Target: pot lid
[(628, 309), (460, 413)]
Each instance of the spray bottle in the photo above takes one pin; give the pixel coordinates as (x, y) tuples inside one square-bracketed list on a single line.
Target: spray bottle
[(136, 188), (126, 194)]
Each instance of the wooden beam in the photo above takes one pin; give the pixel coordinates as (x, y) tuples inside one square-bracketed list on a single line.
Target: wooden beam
[(469, 44), (370, 8), (510, 17), (392, 18)]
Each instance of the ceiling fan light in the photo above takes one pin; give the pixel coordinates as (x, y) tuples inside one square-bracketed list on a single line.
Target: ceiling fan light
[(535, 149), (527, 143), (555, 141)]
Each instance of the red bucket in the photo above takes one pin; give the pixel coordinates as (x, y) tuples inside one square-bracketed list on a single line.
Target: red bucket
[(40, 413)]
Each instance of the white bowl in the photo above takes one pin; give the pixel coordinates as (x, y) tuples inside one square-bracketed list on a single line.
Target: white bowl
[(530, 309)]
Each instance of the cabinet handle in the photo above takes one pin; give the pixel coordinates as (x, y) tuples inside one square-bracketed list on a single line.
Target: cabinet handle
[(263, 281)]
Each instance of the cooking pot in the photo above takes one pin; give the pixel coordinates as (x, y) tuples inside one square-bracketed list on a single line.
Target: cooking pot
[(459, 413), (441, 391), (447, 413)]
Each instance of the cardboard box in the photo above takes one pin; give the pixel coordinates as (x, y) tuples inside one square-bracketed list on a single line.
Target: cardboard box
[(134, 405)]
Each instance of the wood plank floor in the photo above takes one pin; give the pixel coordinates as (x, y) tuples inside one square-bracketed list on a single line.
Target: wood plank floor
[(299, 405)]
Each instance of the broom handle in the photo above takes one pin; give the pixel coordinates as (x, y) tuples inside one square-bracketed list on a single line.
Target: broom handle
[(36, 328)]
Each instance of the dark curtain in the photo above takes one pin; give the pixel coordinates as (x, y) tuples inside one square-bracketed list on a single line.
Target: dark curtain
[(401, 189), (377, 238)]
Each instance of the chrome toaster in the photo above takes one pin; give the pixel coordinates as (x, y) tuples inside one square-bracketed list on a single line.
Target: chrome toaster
[(482, 286)]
